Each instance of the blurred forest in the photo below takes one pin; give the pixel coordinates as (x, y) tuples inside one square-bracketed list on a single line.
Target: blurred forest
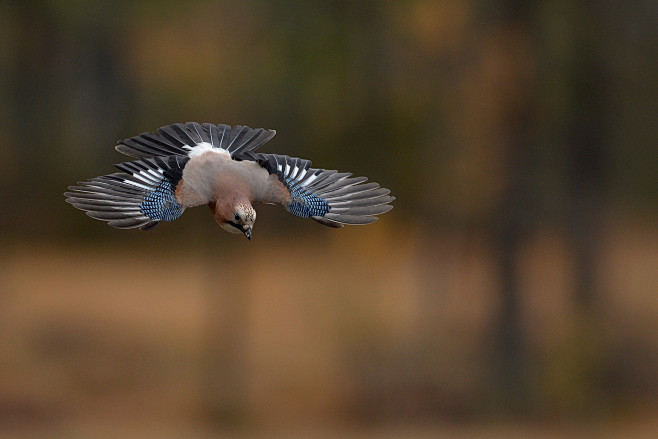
[(511, 291)]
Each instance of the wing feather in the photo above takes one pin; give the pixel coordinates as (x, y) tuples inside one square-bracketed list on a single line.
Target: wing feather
[(329, 197), (140, 196), (181, 139)]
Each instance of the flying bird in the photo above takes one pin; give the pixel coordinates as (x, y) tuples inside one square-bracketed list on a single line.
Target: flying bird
[(192, 164)]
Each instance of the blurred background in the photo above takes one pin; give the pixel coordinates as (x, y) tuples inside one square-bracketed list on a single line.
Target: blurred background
[(511, 292)]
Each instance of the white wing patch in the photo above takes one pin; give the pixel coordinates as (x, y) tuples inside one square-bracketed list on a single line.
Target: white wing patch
[(147, 179), (310, 180), (203, 147)]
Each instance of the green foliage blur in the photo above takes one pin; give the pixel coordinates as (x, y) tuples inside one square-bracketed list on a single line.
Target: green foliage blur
[(414, 95)]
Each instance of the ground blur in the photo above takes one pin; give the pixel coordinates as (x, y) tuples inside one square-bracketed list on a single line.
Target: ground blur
[(383, 333)]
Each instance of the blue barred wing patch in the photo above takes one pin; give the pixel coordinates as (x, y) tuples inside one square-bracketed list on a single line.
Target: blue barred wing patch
[(305, 204), (161, 204)]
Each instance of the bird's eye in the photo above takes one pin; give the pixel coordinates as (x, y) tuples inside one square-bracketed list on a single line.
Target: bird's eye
[(236, 216)]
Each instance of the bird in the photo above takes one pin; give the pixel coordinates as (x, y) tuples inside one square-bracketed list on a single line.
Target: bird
[(191, 164)]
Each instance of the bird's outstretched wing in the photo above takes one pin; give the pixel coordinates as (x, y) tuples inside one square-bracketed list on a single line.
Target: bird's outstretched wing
[(182, 139), (140, 196), (329, 197)]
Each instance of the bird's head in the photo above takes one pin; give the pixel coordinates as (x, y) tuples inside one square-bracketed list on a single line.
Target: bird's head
[(237, 217)]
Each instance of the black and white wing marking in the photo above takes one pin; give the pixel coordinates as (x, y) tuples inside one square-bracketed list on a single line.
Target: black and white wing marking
[(329, 197), (182, 139), (140, 196)]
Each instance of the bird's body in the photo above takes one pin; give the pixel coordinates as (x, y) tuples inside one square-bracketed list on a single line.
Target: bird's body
[(188, 165), (215, 175)]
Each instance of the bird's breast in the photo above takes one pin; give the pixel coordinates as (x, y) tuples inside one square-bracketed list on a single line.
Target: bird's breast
[(213, 176)]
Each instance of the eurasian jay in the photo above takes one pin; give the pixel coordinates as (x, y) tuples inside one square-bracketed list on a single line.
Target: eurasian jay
[(187, 165)]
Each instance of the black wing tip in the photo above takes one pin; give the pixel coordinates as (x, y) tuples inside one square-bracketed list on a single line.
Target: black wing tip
[(327, 222), (356, 213), (150, 226)]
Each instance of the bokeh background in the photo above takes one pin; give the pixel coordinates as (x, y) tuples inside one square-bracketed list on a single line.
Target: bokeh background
[(511, 292)]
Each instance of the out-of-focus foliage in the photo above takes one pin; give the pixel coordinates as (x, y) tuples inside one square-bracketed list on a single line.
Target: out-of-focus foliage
[(412, 94)]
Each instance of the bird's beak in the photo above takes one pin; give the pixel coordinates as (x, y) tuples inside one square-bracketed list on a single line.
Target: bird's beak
[(247, 233)]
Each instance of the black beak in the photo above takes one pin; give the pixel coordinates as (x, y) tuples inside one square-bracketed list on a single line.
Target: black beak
[(247, 233)]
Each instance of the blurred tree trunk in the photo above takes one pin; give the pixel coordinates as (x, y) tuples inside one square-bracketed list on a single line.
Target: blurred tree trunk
[(33, 111), (586, 85), (510, 359), (69, 97), (515, 213), (587, 121)]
